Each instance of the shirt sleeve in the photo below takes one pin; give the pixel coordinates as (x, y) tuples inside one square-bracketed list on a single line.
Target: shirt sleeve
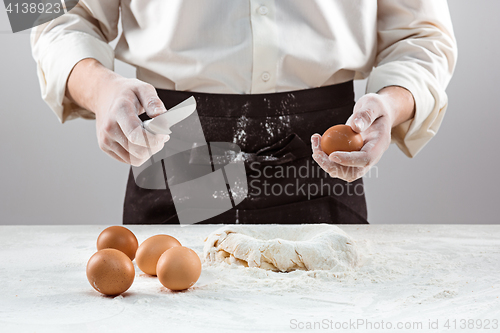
[(58, 45), (416, 50)]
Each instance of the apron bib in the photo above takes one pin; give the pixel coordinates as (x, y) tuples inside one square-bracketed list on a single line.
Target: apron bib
[(285, 185)]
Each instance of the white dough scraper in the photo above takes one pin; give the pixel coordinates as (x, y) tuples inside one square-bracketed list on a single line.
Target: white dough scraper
[(161, 124)]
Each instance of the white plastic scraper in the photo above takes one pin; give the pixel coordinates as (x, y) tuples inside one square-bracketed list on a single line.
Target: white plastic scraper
[(161, 124)]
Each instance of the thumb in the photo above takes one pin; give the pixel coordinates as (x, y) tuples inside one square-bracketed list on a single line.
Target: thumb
[(150, 101), (363, 116)]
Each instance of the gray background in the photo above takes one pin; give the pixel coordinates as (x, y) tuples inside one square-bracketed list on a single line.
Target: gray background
[(56, 174)]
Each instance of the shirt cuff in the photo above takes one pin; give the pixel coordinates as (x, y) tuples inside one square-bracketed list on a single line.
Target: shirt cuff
[(431, 102), (56, 64)]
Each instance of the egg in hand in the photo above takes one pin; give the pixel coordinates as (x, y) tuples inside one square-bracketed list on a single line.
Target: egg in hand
[(341, 138)]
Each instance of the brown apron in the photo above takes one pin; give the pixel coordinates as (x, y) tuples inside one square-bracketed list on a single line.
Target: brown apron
[(285, 185)]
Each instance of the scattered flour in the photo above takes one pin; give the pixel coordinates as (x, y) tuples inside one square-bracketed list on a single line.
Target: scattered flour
[(405, 273), (240, 136)]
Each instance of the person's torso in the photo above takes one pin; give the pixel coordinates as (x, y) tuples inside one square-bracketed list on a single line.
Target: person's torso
[(248, 47)]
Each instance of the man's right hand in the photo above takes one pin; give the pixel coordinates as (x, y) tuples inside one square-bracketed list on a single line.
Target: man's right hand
[(117, 103)]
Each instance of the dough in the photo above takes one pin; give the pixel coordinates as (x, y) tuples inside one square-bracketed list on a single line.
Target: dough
[(283, 247)]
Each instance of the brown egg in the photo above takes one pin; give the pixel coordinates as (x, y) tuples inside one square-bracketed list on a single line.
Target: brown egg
[(150, 251), (341, 138), (120, 238), (179, 268), (110, 272)]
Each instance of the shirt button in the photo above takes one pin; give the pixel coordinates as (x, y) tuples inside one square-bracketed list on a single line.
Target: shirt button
[(263, 10), (265, 76)]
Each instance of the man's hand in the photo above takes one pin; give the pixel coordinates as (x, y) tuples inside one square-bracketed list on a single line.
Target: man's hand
[(373, 117), (117, 103)]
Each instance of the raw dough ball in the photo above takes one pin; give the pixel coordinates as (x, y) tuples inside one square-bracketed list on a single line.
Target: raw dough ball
[(283, 247), (341, 138), (110, 272), (120, 238), (150, 251), (178, 268)]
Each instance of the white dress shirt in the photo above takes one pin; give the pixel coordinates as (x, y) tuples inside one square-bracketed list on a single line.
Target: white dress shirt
[(260, 46)]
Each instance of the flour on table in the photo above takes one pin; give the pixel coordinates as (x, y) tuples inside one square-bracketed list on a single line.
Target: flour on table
[(283, 248)]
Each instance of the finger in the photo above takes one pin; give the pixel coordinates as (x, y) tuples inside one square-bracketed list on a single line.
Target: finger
[(369, 154), (362, 119), (323, 161), (131, 127), (153, 142), (129, 123), (116, 150), (116, 157), (139, 153), (349, 120), (352, 159), (335, 170), (316, 143), (348, 174), (135, 152), (128, 158), (365, 112), (375, 148), (148, 97)]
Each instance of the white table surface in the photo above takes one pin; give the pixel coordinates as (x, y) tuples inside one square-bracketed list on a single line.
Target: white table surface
[(410, 273)]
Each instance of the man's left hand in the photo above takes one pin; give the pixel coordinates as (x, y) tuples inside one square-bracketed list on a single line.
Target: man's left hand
[(373, 117)]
